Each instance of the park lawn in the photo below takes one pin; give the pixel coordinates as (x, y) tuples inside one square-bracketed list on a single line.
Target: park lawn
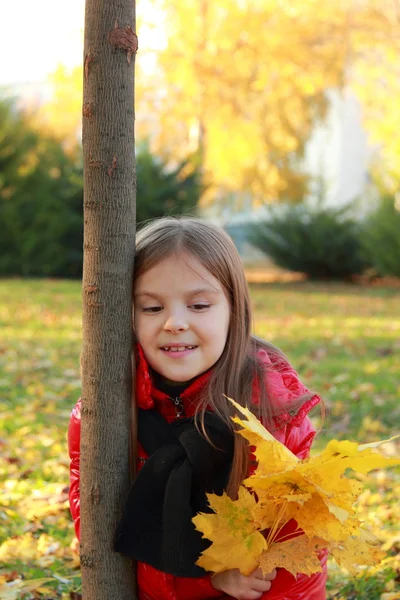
[(343, 339)]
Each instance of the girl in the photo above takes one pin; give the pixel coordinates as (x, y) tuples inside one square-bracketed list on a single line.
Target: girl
[(192, 321)]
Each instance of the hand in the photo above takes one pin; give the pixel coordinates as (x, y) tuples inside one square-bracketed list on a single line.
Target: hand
[(243, 587)]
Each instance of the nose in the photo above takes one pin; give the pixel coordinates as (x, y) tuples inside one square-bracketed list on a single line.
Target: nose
[(175, 324)]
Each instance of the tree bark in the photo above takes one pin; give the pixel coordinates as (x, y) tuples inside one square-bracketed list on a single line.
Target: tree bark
[(109, 241)]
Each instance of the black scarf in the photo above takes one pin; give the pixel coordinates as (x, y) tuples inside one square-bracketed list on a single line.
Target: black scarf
[(156, 526)]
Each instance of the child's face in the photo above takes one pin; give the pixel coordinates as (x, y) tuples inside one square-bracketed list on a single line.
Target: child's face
[(179, 304)]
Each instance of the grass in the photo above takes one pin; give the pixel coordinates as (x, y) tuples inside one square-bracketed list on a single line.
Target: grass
[(343, 339)]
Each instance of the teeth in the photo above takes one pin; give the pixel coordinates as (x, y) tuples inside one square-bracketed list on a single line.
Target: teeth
[(178, 349)]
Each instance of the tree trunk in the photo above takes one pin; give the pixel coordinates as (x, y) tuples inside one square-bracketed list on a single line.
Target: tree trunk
[(109, 241)]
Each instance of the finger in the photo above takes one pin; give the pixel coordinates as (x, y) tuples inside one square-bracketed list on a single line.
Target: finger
[(258, 573), (270, 576), (252, 595), (259, 585)]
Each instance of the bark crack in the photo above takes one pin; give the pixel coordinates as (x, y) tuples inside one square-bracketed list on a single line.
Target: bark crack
[(87, 561), (124, 39), (95, 494), (88, 109), (87, 62), (91, 288), (113, 166)]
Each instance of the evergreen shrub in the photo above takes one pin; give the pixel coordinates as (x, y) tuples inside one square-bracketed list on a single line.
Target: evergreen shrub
[(380, 238), (320, 241)]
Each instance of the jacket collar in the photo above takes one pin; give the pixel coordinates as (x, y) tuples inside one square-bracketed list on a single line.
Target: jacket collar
[(147, 394)]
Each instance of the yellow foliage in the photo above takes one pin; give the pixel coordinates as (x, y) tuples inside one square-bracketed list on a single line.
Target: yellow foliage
[(42, 550), (248, 101), (255, 98), (297, 555), (279, 457), (355, 552), (316, 519), (232, 527), (17, 588), (314, 492)]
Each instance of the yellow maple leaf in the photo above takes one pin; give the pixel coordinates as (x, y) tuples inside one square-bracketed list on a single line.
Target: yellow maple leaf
[(339, 456), (269, 452), (336, 490), (281, 476), (297, 555), (290, 486), (316, 520), (237, 542), (301, 483), (314, 492), (356, 551)]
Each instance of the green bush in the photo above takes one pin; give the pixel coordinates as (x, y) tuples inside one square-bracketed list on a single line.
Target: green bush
[(165, 191), (40, 202), (320, 241), (380, 238), (41, 192)]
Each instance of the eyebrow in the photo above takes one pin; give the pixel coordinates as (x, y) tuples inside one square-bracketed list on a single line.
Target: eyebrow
[(195, 292)]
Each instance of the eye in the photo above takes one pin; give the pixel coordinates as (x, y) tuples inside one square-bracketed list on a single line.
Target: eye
[(199, 307), (152, 309)]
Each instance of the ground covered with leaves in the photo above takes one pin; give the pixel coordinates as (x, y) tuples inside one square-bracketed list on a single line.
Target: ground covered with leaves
[(343, 339)]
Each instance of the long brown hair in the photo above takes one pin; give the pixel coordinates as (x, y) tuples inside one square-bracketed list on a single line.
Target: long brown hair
[(237, 369)]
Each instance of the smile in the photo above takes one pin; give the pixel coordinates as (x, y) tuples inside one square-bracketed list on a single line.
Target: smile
[(177, 348)]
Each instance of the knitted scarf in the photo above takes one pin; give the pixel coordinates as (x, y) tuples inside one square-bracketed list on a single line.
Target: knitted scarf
[(156, 526)]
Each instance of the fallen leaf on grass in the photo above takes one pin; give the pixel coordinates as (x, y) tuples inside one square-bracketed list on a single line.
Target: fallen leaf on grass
[(15, 589)]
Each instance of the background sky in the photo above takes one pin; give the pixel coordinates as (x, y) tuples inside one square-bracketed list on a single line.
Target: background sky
[(37, 35)]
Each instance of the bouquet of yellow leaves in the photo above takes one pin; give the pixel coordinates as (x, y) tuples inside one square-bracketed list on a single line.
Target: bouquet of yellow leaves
[(315, 492)]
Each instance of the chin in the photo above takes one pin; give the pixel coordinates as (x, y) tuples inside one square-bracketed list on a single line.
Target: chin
[(178, 378)]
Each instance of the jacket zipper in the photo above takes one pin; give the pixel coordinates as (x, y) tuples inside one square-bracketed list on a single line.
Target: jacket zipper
[(179, 408)]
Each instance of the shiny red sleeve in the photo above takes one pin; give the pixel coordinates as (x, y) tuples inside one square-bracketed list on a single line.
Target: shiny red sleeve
[(284, 389), (74, 442), (196, 589)]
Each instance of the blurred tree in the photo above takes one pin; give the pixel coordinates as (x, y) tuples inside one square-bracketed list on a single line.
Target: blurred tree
[(162, 190), (40, 201), (62, 115), (41, 197), (245, 84), (377, 85), (247, 81)]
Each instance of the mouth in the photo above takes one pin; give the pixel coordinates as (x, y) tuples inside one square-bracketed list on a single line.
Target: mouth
[(177, 348)]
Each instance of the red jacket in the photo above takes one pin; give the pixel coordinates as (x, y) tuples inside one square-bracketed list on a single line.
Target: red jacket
[(297, 433)]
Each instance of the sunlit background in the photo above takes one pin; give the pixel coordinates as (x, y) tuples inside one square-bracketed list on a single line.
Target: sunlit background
[(277, 119), (252, 104)]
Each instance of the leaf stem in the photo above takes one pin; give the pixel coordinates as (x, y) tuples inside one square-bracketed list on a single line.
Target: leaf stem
[(276, 527)]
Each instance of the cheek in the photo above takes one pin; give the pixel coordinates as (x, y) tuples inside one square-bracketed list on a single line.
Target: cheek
[(225, 320), (220, 328), (140, 330)]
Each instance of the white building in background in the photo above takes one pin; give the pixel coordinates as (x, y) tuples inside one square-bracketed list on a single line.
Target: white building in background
[(338, 151), (337, 157), (337, 154)]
